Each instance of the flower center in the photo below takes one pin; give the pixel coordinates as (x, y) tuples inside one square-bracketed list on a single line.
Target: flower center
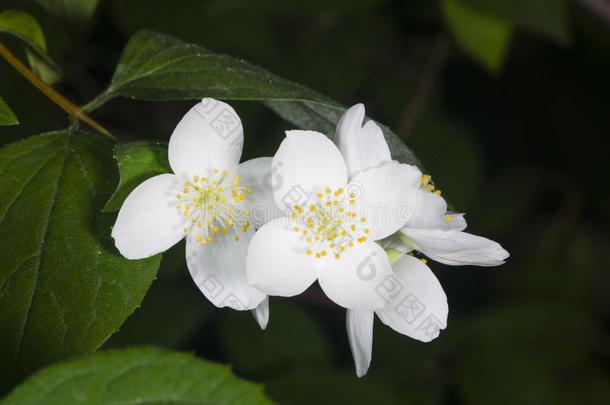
[(330, 224), (214, 205)]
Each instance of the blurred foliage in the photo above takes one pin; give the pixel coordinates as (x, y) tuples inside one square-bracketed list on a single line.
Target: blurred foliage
[(484, 36), (520, 151), (25, 27), (75, 13), (548, 18)]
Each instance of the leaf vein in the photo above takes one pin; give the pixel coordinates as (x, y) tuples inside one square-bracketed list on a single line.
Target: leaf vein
[(43, 239), (25, 184), (14, 271)]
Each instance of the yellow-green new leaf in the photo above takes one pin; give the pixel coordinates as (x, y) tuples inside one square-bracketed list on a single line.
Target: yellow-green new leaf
[(7, 116), (25, 27), (481, 35), (545, 17)]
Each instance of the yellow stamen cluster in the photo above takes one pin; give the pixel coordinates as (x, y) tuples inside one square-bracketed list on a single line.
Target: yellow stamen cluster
[(428, 185), (214, 205), (327, 225)]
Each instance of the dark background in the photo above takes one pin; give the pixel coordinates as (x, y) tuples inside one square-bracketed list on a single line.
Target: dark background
[(520, 150)]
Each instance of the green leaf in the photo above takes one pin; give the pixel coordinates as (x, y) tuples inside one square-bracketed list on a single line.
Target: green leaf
[(547, 17), (64, 288), (48, 73), (159, 67), (155, 66), (169, 326), (483, 36), (25, 27), (137, 162), (7, 116), (323, 117), (137, 376), (74, 12)]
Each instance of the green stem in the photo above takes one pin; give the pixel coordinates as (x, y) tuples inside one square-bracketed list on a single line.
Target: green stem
[(97, 102)]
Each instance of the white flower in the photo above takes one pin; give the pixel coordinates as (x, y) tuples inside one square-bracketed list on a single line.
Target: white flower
[(416, 305), (339, 200), (438, 234), (210, 199)]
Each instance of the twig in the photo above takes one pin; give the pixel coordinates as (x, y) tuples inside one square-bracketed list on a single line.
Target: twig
[(599, 7), (60, 100), (426, 82)]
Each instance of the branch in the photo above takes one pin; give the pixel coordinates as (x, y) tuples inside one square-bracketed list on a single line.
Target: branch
[(601, 8), (60, 100), (426, 82)]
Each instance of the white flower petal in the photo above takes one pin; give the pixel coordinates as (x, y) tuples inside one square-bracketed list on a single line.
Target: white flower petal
[(306, 163), (209, 136), (416, 303), (277, 263), (430, 210), (362, 147), (219, 270), (360, 335), (256, 174), (457, 248), (431, 213), (261, 313), (149, 222), (351, 280), (457, 222), (386, 197)]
